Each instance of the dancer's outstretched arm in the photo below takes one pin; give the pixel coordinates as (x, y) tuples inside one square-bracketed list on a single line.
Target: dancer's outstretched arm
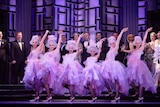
[(59, 40), (145, 37), (100, 47), (77, 43), (131, 47), (119, 37), (40, 47)]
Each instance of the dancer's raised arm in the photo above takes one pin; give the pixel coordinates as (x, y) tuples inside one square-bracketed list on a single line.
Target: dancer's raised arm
[(59, 40), (100, 47), (131, 47), (119, 37), (145, 37), (40, 47), (77, 43)]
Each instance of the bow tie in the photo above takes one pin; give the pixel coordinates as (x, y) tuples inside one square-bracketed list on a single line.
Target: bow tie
[(19, 41)]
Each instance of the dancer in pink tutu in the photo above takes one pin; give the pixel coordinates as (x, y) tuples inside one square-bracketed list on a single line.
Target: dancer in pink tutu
[(34, 42), (92, 79), (32, 67), (137, 71), (49, 64), (72, 69), (113, 72)]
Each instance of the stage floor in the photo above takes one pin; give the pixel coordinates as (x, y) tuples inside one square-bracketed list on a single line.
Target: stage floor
[(77, 102), (16, 95)]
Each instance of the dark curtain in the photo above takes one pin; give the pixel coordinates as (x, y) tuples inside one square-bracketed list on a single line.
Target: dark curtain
[(129, 16), (23, 19)]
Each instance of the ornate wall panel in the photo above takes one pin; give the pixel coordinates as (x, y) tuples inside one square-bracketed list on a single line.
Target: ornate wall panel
[(69, 15), (65, 16), (42, 16), (142, 17), (12, 18), (89, 16), (110, 11)]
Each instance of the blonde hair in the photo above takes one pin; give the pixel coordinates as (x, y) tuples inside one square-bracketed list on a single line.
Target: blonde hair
[(153, 33), (71, 43), (111, 39), (34, 38), (137, 39)]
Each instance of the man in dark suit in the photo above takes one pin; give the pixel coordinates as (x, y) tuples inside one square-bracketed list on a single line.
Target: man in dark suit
[(18, 58), (105, 47), (3, 59), (85, 44), (63, 50)]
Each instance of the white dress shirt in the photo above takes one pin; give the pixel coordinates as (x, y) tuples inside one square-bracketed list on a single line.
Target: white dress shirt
[(20, 44)]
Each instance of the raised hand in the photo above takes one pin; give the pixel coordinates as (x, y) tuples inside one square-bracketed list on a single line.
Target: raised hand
[(103, 39), (123, 47), (60, 32), (125, 29), (47, 31), (149, 29), (81, 35)]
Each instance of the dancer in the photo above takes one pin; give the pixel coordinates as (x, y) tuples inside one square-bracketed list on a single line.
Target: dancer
[(113, 71), (34, 42), (72, 69), (32, 67), (157, 60), (50, 65), (137, 71), (149, 52), (80, 48), (92, 78)]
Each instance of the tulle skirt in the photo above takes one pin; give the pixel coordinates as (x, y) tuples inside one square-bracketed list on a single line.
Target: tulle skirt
[(72, 75), (30, 75), (115, 71), (92, 75), (49, 74), (139, 73)]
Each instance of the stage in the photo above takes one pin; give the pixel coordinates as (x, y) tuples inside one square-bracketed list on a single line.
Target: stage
[(17, 95)]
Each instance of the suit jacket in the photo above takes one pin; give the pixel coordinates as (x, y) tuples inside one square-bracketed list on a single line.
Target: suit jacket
[(85, 54), (16, 53), (3, 50), (63, 51), (121, 55), (104, 51)]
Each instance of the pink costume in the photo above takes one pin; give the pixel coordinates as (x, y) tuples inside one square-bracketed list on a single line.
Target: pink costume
[(139, 73), (31, 69), (114, 70), (50, 71), (72, 72), (92, 73)]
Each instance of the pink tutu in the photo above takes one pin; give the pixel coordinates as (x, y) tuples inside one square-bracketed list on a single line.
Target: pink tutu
[(31, 70), (71, 72), (50, 69), (92, 74), (30, 75), (139, 73), (112, 70)]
